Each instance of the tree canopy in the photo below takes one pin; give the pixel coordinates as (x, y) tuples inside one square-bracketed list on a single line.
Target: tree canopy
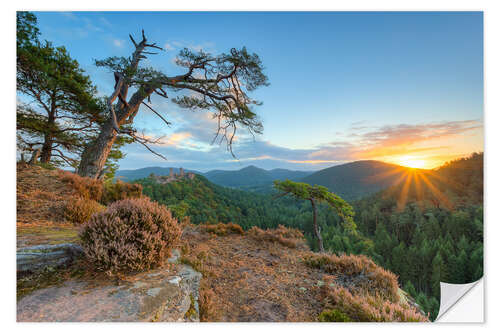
[(220, 83), (318, 194), (58, 110)]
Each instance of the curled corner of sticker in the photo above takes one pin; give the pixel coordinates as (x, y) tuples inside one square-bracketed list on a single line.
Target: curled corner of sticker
[(456, 306)]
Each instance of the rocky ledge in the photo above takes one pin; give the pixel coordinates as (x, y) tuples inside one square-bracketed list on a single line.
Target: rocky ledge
[(36, 258), (165, 294)]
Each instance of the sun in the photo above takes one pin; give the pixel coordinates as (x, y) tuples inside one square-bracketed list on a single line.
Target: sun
[(411, 162)]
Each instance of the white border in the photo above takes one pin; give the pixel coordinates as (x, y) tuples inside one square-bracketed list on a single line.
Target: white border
[(492, 137)]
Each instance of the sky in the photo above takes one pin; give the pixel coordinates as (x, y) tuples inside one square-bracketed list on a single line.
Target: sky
[(403, 88)]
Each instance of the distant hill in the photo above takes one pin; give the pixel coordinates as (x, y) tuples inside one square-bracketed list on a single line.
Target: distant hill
[(250, 178), (458, 183), (129, 175), (357, 179)]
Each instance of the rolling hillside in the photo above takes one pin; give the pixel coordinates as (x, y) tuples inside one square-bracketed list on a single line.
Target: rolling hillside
[(252, 176), (357, 179), (249, 178), (129, 175)]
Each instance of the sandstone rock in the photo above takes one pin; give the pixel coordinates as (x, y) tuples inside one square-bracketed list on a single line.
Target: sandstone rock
[(151, 296), (35, 258)]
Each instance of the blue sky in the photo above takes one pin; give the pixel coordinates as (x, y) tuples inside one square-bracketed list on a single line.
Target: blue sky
[(344, 86)]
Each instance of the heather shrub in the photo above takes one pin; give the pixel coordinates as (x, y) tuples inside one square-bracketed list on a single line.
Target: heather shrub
[(288, 237), (79, 211), (340, 303), (100, 191), (368, 275), (222, 229), (86, 187), (119, 190), (208, 306), (130, 235)]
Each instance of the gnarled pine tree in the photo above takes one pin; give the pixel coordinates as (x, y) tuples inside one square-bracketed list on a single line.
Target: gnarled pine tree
[(317, 194), (219, 83)]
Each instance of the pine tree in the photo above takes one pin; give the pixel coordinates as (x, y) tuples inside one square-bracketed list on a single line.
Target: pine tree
[(438, 272), (57, 109)]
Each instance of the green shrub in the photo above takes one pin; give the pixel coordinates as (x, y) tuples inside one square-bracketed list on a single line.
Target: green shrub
[(130, 235), (333, 315), (80, 210)]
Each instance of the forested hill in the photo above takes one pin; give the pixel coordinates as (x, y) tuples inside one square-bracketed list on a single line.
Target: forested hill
[(129, 175), (428, 229), (357, 179), (456, 184), (252, 176), (205, 202), (249, 178)]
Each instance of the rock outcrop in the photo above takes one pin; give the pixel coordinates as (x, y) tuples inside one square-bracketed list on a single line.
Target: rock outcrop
[(164, 294), (36, 258)]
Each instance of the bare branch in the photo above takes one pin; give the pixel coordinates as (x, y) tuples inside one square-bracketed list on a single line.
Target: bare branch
[(132, 39), (144, 141), (159, 115)]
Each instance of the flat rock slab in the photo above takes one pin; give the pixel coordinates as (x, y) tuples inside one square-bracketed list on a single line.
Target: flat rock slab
[(36, 258), (157, 295)]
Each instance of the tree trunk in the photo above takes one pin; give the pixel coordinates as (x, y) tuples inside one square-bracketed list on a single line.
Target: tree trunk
[(49, 138), (316, 228), (34, 156), (95, 155), (46, 150)]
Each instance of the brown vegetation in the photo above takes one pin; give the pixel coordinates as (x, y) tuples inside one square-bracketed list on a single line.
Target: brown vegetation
[(130, 235), (258, 276), (79, 210), (44, 197), (41, 196), (288, 237), (223, 229), (342, 305), (103, 192), (364, 272)]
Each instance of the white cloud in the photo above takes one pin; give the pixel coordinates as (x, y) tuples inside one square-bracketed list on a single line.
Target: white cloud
[(118, 42), (168, 47)]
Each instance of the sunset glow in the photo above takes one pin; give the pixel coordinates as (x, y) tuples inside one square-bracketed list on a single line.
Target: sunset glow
[(412, 162)]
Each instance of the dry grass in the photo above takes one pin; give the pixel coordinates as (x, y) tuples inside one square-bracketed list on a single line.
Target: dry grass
[(364, 273), (44, 196), (292, 238), (222, 229), (255, 277), (342, 305), (86, 187), (41, 196), (79, 210), (258, 277)]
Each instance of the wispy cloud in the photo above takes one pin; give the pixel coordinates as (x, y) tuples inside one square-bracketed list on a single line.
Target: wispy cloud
[(118, 43), (178, 45), (190, 144)]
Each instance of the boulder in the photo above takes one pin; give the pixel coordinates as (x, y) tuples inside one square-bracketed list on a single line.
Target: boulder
[(36, 258), (164, 294)]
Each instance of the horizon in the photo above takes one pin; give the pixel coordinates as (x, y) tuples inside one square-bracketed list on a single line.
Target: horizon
[(313, 171), (398, 87)]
